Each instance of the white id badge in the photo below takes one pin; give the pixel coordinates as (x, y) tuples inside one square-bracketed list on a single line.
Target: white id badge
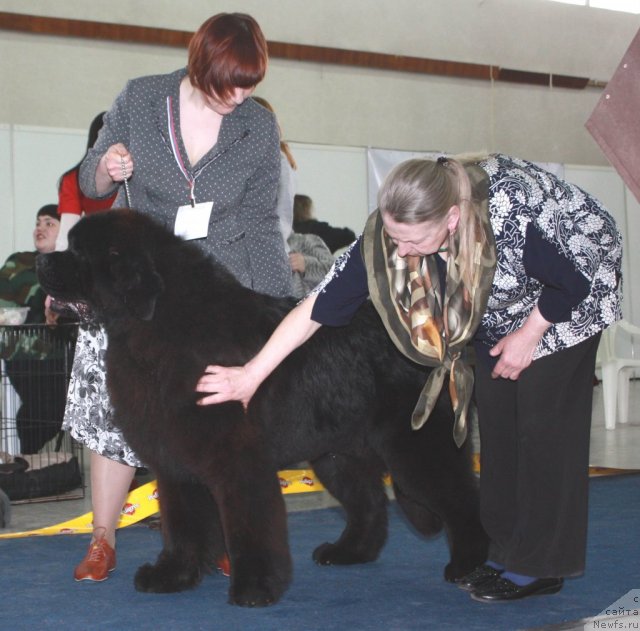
[(192, 222)]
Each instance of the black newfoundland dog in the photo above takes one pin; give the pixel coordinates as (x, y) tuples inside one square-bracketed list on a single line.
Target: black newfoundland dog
[(342, 401)]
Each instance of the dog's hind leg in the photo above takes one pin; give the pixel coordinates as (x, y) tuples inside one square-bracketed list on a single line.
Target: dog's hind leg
[(421, 517), (357, 484), (440, 489), (192, 539)]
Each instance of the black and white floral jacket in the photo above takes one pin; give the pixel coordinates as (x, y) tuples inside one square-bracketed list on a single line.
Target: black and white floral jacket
[(558, 248)]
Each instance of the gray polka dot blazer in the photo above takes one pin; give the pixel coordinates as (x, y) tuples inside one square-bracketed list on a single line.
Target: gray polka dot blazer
[(239, 175)]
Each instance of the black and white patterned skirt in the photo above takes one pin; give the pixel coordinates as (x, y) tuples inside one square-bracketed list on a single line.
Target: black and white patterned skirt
[(88, 415)]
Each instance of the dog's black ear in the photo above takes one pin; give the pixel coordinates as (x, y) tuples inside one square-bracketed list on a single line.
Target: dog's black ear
[(135, 279)]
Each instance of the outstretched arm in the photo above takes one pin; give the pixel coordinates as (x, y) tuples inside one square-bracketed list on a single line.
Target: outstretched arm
[(238, 383)]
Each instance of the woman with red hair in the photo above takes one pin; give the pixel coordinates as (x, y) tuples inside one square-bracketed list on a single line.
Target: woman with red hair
[(191, 149)]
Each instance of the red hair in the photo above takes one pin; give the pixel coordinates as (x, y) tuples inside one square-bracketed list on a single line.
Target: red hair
[(228, 51)]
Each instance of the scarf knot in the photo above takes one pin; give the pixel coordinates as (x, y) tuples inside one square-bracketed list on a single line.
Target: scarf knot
[(428, 323)]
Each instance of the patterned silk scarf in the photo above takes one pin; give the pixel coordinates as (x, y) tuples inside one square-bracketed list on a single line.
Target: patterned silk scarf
[(407, 294)]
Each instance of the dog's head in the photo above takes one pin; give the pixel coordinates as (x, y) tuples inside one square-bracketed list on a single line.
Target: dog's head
[(109, 265)]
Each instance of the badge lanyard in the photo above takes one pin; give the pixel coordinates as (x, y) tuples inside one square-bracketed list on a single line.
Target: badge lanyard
[(191, 179), (176, 153), (192, 220)]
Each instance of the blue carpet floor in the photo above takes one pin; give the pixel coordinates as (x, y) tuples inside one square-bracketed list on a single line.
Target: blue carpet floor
[(402, 591)]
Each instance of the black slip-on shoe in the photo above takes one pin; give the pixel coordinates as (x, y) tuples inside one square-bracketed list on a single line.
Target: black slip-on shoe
[(502, 589), (479, 577)]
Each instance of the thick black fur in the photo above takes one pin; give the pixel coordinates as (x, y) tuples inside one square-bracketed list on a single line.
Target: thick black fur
[(343, 401)]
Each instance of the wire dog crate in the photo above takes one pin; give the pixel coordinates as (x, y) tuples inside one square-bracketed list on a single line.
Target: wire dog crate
[(38, 461)]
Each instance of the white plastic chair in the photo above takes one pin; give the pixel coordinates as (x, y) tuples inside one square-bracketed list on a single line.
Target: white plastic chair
[(616, 372)]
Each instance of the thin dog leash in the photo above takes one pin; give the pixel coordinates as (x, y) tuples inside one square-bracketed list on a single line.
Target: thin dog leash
[(126, 183)]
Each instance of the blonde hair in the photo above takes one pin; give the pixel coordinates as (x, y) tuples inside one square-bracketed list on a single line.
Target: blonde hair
[(421, 190), (284, 147)]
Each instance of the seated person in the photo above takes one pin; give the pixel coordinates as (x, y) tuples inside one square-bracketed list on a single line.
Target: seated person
[(310, 260), (39, 378), (305, 223), (18, 281)]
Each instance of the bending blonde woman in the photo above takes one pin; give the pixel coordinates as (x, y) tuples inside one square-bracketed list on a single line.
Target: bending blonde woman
[(498, 252)]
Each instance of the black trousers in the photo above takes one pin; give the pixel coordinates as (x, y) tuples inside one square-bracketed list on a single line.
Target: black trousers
[(534, 451)]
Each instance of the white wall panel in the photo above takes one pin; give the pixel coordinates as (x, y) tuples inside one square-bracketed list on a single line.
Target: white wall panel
[(40, 156)]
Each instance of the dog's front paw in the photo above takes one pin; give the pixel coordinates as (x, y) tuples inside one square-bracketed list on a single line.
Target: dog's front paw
[(163, 578), (334, 554), (254, 592)]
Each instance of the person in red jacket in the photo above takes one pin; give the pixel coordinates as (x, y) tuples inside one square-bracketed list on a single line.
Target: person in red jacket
[(72, 202)]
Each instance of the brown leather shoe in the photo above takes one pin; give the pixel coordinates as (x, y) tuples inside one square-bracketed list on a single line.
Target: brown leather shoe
[(98, 562)]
